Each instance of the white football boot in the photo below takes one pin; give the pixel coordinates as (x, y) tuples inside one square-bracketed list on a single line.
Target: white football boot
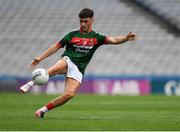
[(26, 87), (39, 114)]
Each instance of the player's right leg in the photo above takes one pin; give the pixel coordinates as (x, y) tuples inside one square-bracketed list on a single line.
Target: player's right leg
[(71, 86), (59, 68)]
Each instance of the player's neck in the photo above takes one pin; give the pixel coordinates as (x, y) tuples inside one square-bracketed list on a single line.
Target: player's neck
[(83, 32)]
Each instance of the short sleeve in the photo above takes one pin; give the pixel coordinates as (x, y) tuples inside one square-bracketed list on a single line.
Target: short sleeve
[(101, 38), (65, 40)]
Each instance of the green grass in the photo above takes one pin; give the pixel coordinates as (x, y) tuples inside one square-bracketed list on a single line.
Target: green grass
[(91, 112)]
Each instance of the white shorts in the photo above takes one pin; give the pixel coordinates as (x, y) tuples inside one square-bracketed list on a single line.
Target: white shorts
[(72, 71)]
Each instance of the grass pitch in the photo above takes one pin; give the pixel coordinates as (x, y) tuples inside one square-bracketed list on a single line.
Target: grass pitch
[(91, 112)]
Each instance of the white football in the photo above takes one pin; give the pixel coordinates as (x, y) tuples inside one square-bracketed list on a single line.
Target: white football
[(40, 76)]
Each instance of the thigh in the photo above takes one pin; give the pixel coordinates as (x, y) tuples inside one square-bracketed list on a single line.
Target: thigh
[(71, 85), (59, 68)]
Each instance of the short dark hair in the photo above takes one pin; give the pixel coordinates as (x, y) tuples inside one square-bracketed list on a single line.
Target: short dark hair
[(85, 13)]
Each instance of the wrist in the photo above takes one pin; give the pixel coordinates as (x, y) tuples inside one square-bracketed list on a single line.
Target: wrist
[(37, 59), (126, 38)]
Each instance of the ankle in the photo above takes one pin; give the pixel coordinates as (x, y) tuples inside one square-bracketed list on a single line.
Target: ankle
[(47, 107), (50, 106)]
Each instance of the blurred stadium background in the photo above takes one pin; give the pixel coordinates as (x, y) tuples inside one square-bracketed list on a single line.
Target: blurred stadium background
[(148, 66)]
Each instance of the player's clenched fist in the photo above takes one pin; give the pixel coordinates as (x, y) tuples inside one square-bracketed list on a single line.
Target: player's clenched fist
[(131, 36)]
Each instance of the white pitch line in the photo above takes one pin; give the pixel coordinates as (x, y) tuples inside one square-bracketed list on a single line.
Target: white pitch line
[(99, 117)]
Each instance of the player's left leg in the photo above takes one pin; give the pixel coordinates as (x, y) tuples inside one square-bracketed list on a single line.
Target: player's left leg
[(24, 88), (71, 86), (59, 68)]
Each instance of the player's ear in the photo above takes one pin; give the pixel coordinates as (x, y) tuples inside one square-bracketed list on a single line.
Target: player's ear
[(92, 19)]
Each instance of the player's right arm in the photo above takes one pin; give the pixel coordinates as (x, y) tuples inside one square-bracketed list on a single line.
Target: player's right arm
[(51, 50)]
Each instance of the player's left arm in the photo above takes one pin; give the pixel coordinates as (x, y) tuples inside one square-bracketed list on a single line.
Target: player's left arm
[(121, 39)]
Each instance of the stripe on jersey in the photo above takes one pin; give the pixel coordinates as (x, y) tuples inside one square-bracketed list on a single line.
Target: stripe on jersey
[(84, 41)]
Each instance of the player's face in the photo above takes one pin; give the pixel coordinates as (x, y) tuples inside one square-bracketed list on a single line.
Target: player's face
[(86, 24)]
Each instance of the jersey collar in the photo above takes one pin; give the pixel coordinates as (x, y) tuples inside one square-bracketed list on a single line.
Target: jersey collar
[(86, 33)]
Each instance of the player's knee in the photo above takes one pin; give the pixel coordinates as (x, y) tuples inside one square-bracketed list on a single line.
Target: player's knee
[(56, 70), (53, 71), (70, 94)]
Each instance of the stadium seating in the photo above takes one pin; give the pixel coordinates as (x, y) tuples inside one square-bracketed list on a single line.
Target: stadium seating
[(168, 7), (166, 10), (28, 27)]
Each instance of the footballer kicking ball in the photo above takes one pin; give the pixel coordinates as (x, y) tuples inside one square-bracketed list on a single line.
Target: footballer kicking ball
[(40, 76)]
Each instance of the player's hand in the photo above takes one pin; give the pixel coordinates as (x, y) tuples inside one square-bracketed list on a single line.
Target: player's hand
[(34, 63), (131, 36)]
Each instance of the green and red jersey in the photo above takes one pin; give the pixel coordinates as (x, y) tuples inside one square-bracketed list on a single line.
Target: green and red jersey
[(81, 47)]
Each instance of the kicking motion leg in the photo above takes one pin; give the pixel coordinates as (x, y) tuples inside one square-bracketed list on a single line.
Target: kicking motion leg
[(26, 86), (59, 68)]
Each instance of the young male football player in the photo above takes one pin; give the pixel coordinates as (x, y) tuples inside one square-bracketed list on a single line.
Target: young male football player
[(80, 46)]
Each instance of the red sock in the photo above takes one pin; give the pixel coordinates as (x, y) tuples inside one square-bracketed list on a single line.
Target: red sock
[(49, 106)]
